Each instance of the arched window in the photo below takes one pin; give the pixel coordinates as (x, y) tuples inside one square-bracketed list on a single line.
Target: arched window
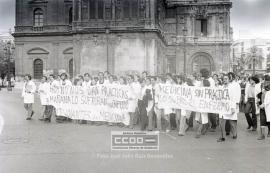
[(38, 69), (38, 17), (70, 68), (70, 16)]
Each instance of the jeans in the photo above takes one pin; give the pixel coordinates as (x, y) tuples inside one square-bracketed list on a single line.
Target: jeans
[(250, 108)]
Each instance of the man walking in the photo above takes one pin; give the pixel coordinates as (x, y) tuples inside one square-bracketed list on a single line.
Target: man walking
[(250, 100)]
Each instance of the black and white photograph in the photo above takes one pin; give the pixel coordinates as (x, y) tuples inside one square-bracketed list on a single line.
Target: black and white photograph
[(134, 86)]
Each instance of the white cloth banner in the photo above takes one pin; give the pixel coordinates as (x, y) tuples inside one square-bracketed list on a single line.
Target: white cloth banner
[(197, 99), (96, 103)]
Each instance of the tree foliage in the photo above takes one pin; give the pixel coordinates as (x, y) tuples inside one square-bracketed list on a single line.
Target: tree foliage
[(4, 61)]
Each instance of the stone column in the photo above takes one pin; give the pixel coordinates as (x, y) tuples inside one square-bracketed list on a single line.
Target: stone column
[(80, 11), (152, 9), (110, 53), (77, 46), (55, 56), (19, 66), (113, 10)]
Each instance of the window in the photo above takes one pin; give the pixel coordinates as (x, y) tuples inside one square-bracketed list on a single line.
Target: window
[(70, 16), (100, 9), (38, 17), (249, 66), (201, 27), (38, 69)]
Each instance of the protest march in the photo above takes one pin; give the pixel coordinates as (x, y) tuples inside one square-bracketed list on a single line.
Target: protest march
[(163, 103)]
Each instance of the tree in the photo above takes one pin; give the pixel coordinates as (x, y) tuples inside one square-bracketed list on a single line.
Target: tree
[(4, 61), (254, 54), (268, 63), (242, 62)]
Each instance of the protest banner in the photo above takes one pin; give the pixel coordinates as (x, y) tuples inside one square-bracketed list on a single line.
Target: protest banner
[(96, 103), (197, 99)]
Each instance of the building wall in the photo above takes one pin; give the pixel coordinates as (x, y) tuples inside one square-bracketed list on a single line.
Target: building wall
[(51, 50), (148, 36), (128, 53)]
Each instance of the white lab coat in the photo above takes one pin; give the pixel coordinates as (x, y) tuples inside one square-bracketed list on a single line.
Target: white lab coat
[(132, 102), (235, 96), (43, 89), (55, 83), (267, 105), (28, 91)]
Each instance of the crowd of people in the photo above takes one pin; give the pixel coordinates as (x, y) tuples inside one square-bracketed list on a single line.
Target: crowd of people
[(248, 94)]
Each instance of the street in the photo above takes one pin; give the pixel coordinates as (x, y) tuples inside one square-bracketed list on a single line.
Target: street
[(34, 146)]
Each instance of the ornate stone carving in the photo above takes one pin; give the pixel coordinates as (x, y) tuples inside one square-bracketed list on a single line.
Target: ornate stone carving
[(202, 12)]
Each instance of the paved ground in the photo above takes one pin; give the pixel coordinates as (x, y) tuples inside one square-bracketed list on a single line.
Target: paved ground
[(32, 146)]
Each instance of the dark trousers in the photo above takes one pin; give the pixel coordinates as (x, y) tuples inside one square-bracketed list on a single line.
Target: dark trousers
[(49, 110), (227, 127), (190, 120), (213, 120), (250, 108), (142, 115)]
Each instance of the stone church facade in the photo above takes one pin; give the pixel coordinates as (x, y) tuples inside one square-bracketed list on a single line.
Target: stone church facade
[(122, 36)]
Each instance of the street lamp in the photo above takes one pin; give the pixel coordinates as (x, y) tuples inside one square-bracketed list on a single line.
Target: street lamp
[(185, 51), (9, 48)]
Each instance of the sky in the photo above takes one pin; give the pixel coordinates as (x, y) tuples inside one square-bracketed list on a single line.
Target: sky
[(249, 18)]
